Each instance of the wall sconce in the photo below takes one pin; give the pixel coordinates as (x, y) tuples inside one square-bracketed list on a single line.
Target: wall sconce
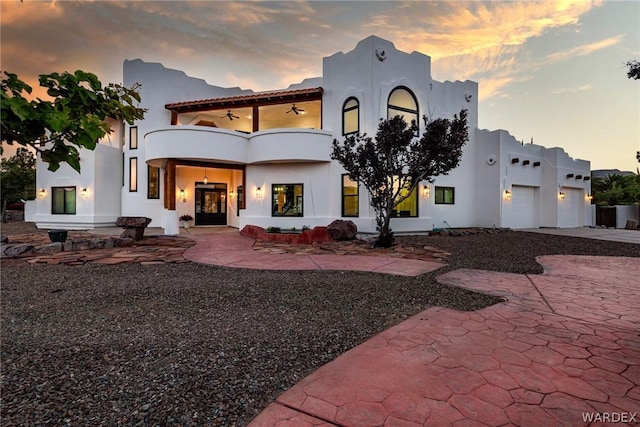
[(183, 196), (561, 195), (232, 194), (258, 193), (84, 194), (507, 195), (42, 193), (205, 179), (426, 191), (589, 197)]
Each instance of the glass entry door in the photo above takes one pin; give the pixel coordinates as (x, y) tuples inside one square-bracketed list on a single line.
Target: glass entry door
[(211, 206)]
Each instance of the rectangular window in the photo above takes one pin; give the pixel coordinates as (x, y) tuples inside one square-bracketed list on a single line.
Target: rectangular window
[(286, 200), (63, 200), (133, 174), (350, 196), (153, 182), (133, 137), (407, 208), (240, 191), (445, 195)]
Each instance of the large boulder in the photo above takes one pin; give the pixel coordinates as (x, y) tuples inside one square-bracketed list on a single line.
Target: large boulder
[(133, 226), (342, 230)]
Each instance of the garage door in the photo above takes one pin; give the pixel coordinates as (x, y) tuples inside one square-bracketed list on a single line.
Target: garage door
[(570, 208), (524, 209)]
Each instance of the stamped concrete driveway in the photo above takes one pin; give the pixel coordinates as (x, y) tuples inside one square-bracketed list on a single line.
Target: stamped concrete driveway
[(563, 349)]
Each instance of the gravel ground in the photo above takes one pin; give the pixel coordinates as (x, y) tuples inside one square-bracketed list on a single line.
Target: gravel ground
[(190, 344)]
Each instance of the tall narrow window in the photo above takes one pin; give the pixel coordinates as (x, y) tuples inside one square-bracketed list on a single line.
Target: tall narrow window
[(350, 196), (240, 195), (153, 182), (133, 137), (350, 116), (403, 103), (63, 200), (445, 195), (133, 174), (286, 200)]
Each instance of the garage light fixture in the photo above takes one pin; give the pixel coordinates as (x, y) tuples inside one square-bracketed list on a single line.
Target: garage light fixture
[(42, 193), (258, 193), (507, 195), (426, 191), (561, 195)]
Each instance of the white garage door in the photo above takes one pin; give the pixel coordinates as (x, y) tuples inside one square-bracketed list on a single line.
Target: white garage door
[(569, 208), (524, 209)]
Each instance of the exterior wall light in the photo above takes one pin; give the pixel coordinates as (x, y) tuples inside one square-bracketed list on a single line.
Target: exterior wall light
[(258, 193), (232, 194), (84, 194), (589, 197), (42, 193), (507, 195), (205, 179), (561, 195), (426, 191), (183, 196)]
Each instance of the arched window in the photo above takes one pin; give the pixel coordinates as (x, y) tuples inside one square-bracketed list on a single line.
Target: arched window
[(402, 102), (350, 116)]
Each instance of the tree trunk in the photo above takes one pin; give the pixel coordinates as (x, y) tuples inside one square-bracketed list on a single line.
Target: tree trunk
[(385, 238)]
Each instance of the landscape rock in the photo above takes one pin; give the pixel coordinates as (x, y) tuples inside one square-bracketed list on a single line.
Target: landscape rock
[(50, 248), (134, 226), (123, 242), (4, 239), (342, 230), (16, 251)]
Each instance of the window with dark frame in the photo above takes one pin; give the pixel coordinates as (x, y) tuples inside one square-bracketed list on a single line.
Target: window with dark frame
[(63, 200), (350, 116), (240, 194), (153, 182), (350, 197), (133, 137), (402, 102), (133, 174), (445, 195), (287, 199)]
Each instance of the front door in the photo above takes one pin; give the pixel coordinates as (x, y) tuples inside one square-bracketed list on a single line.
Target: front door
[(211, 206)]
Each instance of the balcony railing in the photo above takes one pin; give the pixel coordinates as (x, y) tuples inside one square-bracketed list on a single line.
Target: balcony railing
[(225, 146)]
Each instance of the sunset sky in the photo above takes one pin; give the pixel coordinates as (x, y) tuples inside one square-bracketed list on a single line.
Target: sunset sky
[(553, 71)]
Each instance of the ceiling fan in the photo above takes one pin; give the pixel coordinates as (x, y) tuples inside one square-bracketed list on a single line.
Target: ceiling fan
[(295, 110), (230, 115)]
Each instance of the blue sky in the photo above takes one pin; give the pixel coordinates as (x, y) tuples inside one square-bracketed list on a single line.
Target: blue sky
[(552, 71)]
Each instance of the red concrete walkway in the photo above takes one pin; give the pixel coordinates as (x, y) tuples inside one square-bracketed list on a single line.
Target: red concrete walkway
[(230, 249), (563, 348)]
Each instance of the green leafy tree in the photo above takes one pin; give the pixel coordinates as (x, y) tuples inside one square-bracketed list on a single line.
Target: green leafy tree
[(76, 117), (392, 165), (17, 178), (616, 189)]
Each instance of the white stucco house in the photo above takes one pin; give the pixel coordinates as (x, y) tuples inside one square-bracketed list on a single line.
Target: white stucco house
[(234, 157)]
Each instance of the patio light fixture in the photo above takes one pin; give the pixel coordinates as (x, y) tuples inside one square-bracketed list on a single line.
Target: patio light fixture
[(258, 193), (206, 179), (183, 196)]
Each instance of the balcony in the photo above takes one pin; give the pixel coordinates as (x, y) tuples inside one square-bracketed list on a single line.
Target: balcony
[(231, 147)]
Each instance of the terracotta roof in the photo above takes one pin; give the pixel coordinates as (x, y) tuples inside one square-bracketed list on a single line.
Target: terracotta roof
[(262, 98)]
